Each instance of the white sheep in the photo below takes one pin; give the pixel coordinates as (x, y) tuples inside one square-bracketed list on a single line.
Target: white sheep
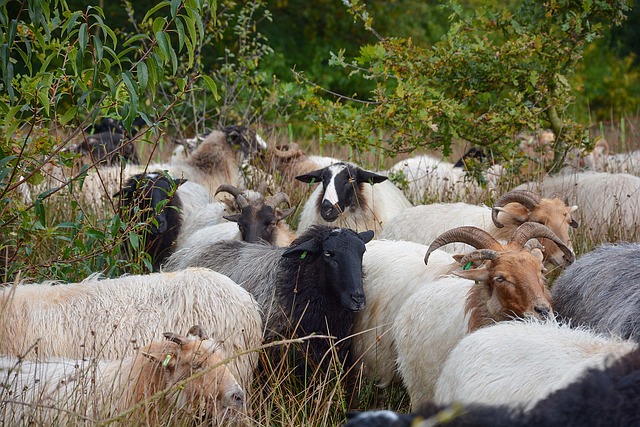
[(105, 318), (520, 363), (350, 197), (191, 370)]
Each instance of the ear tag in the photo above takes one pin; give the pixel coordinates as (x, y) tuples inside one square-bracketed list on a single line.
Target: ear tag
[(303, 255), (313, 181), (467, 266), (166, 360)]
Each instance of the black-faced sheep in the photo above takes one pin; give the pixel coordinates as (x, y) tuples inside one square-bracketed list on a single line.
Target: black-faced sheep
[(108, 142), (105, 318), (602, 290), (314, 286), (190, 369), (350, 197), (423, 223), (496, 282)]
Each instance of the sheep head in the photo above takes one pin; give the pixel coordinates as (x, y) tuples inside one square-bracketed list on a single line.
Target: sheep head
[(509, 277), (520, 206), (214, 391), (341, 185)]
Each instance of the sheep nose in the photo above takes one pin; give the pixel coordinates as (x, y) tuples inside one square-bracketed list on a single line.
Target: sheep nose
[(328, 211), (542, 310), (358, 298)]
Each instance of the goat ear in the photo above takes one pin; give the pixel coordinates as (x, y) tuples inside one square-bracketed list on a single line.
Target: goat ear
[(311, 177), (232, 218), (370, 177), (475, 274), (302, 250), (515, 212), (283, 213), (366, 236)]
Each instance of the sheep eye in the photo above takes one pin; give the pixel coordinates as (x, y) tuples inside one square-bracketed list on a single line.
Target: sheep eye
[(327, 253), (499, 279)]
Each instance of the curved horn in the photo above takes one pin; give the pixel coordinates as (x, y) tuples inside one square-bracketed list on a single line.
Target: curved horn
[(473, 236), (235, 192), (479, 255), (276, 199), (530, 230), (526, 198), (287, 151), (262, 188)]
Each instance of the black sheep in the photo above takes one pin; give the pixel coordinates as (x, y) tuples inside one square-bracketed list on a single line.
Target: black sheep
[(140, 201)]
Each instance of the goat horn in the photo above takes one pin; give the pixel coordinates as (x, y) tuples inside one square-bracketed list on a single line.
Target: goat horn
[(530, 230), (277, 199), (479, 255), (473, 236), (287, 151), (526, 198)]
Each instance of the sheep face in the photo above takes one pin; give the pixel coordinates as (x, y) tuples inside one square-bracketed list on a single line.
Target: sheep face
[(512, 285), (214, 394), (341, 256), (245, 139), (258, 222), (341, 183)]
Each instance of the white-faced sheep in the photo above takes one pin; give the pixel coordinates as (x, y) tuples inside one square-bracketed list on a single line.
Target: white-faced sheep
[(423, 223), (496, 282), (600, 397), (105, 318), (609, 203), (188, 373), (602, 290), (521, 363), (350, 197), (314, 286)]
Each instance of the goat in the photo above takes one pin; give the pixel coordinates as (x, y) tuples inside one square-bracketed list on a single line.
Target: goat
[(104, 318), (423, 223), (350, 197), (609, 203), (313, 286), (602, 291), (190, 368), (494, 283)]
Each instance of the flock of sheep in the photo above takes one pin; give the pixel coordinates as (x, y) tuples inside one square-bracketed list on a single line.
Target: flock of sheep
[(424, 296)]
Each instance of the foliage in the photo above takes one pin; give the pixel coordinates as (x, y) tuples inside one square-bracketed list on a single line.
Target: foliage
[(494, 74)]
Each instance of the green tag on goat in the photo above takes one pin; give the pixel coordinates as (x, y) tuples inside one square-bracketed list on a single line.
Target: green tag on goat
[(303, 255), (166, 360), (313, 181), (467, 266)]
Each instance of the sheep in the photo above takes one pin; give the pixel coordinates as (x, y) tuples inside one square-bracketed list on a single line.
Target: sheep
[(600, 397), (104, 318), (423, 223), (521, 363), (141, 200), (495, 283), (190, 368), (609, 203), (109, 142), (350, 197), (313, 286), (602, 291)]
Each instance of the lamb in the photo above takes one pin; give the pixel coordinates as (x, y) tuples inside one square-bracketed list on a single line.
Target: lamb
[(423, 223), (314, 286), (610, 206), (105, 318), (191, 369), (495, 283), (602, 291), (600, 397), (351, 197), (520, 363)]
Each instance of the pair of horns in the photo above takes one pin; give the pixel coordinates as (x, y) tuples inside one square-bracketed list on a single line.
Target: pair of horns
[(526, 198), (287, 151), (488, 247), (242, 201), (195, 331)]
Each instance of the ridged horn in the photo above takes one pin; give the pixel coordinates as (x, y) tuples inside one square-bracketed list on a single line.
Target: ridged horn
[(278, 198), (479, 255), (235, 192), (526, 198), (287, 151), (531, 230), (473, 236)]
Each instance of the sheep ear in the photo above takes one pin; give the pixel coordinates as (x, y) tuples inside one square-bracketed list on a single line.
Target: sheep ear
[(302, 250), (516, 212), (232, 218), (573, 223), (311, 177), (283, 213), (537, 253), (366, 236), (370, 177), (475, 274), (180, 181)]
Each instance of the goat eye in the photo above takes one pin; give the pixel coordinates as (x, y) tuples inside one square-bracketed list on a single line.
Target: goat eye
[(499, 279)]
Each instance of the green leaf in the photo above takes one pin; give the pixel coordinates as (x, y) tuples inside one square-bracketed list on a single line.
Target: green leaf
[(134, 241), (134, 39), (180, 31), (163, 44), (68, 115), (83, 36), (127, 78), (143, 75), (174, 7), (211, 85), (97, 48), (159, 24), (155, 9)]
